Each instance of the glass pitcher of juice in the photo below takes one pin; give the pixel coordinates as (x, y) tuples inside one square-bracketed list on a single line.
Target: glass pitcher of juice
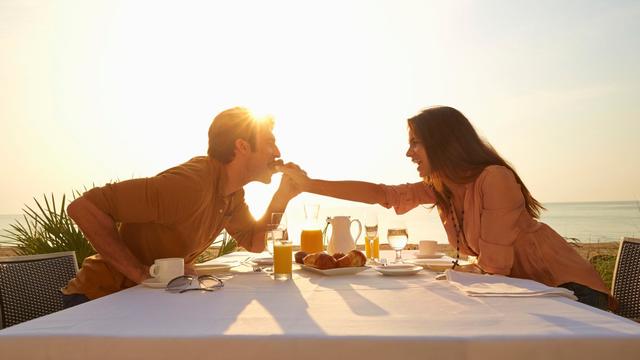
[(311, 235)]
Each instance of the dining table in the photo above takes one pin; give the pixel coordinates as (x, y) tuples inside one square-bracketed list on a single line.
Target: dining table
[(364, 315)]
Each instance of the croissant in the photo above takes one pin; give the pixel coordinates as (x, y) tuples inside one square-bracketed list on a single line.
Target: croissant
[(320, 260), (353, 258), (337, 255), (299, 256)]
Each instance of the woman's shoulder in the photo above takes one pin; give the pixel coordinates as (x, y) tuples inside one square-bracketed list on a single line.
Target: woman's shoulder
[(496, 171), (495, 176), (497, 185)]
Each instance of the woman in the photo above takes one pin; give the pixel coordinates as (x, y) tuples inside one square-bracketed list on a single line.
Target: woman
[(485, 208)]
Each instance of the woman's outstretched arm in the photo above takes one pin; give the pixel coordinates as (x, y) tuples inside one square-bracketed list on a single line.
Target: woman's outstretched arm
[(360, 191)]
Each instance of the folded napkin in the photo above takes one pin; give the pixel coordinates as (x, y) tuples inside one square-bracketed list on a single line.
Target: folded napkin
[(499, 285)]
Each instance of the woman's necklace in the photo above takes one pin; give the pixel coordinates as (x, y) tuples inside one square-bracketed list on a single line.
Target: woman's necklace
[(459, 231)]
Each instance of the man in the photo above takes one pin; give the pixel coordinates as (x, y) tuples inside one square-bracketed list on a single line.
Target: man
[(179, 212)]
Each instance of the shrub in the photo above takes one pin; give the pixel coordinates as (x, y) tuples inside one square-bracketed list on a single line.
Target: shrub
[(225, 243), (604, 264), (47, 229)]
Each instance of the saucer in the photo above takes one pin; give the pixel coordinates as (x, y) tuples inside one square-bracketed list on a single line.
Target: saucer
[(263, 261), (438, 265), (430, 256), (155, 284), (398, 269), (208, 269)]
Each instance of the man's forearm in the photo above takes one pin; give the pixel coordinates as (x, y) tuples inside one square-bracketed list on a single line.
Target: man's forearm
[(101, 232), (278, 204)]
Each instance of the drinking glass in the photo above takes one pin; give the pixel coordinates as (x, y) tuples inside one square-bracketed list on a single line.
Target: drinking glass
[(282, 259), (278, 221), (371, 241), (397, 237)]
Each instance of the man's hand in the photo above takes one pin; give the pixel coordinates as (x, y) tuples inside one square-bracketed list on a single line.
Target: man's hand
[(100, 229), (189, 269)]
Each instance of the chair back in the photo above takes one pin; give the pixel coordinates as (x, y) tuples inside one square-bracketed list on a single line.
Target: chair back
[(625, 286), (30, 285)]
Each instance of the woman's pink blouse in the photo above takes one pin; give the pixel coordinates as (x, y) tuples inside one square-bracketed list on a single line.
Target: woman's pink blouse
[(501, 233)]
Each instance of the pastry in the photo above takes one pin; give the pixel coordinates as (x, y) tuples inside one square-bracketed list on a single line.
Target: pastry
[(299, 256), (352, 258), (320, 260)]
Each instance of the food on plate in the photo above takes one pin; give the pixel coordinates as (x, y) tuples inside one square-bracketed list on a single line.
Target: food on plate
[(352, 258), (324, 261), (299, 256), (320, 260)]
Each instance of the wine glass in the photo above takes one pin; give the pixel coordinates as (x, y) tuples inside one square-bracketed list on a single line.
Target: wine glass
[(371, 233), (276, 230), (278, 221), (397, 236)]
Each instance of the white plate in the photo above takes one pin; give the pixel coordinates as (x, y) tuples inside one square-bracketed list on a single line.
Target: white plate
[(398, 269), (336, 271), (208, 269), (435, 264), (430, 256), (153, 283), (263, 261)]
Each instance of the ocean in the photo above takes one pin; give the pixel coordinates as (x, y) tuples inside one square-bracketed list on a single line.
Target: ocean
[(590, 222)]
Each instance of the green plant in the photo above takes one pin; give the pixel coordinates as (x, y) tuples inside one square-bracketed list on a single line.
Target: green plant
[(225, 243), (575, 242), (604, 265), (47, 229)]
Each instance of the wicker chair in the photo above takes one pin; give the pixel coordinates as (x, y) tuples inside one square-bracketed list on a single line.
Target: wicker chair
[(626, 279), (30, 285)]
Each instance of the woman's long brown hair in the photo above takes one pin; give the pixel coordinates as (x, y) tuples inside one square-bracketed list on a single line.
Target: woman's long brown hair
[(456, 152)]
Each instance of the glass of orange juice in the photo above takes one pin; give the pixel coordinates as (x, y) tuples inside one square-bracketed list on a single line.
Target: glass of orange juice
[(311, 235), (371, 240), (282, 259)]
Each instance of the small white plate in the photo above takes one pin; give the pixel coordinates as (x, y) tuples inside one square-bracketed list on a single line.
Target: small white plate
[(208, 269), (398, 269), (435, 264), (263, 261), (155, 284), (430, 256), (336, 271)]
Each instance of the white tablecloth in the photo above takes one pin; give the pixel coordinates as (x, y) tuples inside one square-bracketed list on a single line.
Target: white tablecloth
[(364, 316)]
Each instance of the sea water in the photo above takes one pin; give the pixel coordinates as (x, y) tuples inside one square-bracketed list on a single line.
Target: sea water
[(589, 222)]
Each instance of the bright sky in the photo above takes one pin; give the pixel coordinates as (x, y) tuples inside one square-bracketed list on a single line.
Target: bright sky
[(93, 91)]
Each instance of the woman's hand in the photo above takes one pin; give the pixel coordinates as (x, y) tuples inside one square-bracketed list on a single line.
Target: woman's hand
[(293, 174), (471, 268)]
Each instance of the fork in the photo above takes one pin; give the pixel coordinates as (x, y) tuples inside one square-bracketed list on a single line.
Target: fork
[(258, 268), (381, 262), (247, 261)]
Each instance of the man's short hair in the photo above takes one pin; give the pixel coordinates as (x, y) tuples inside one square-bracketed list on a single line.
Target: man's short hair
[(230, 125)]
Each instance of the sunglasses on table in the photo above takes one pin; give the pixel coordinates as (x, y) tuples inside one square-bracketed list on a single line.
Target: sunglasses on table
[(191, 282)]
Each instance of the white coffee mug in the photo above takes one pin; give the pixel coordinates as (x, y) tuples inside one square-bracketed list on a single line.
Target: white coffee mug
[(427, 247), (164, 270)]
